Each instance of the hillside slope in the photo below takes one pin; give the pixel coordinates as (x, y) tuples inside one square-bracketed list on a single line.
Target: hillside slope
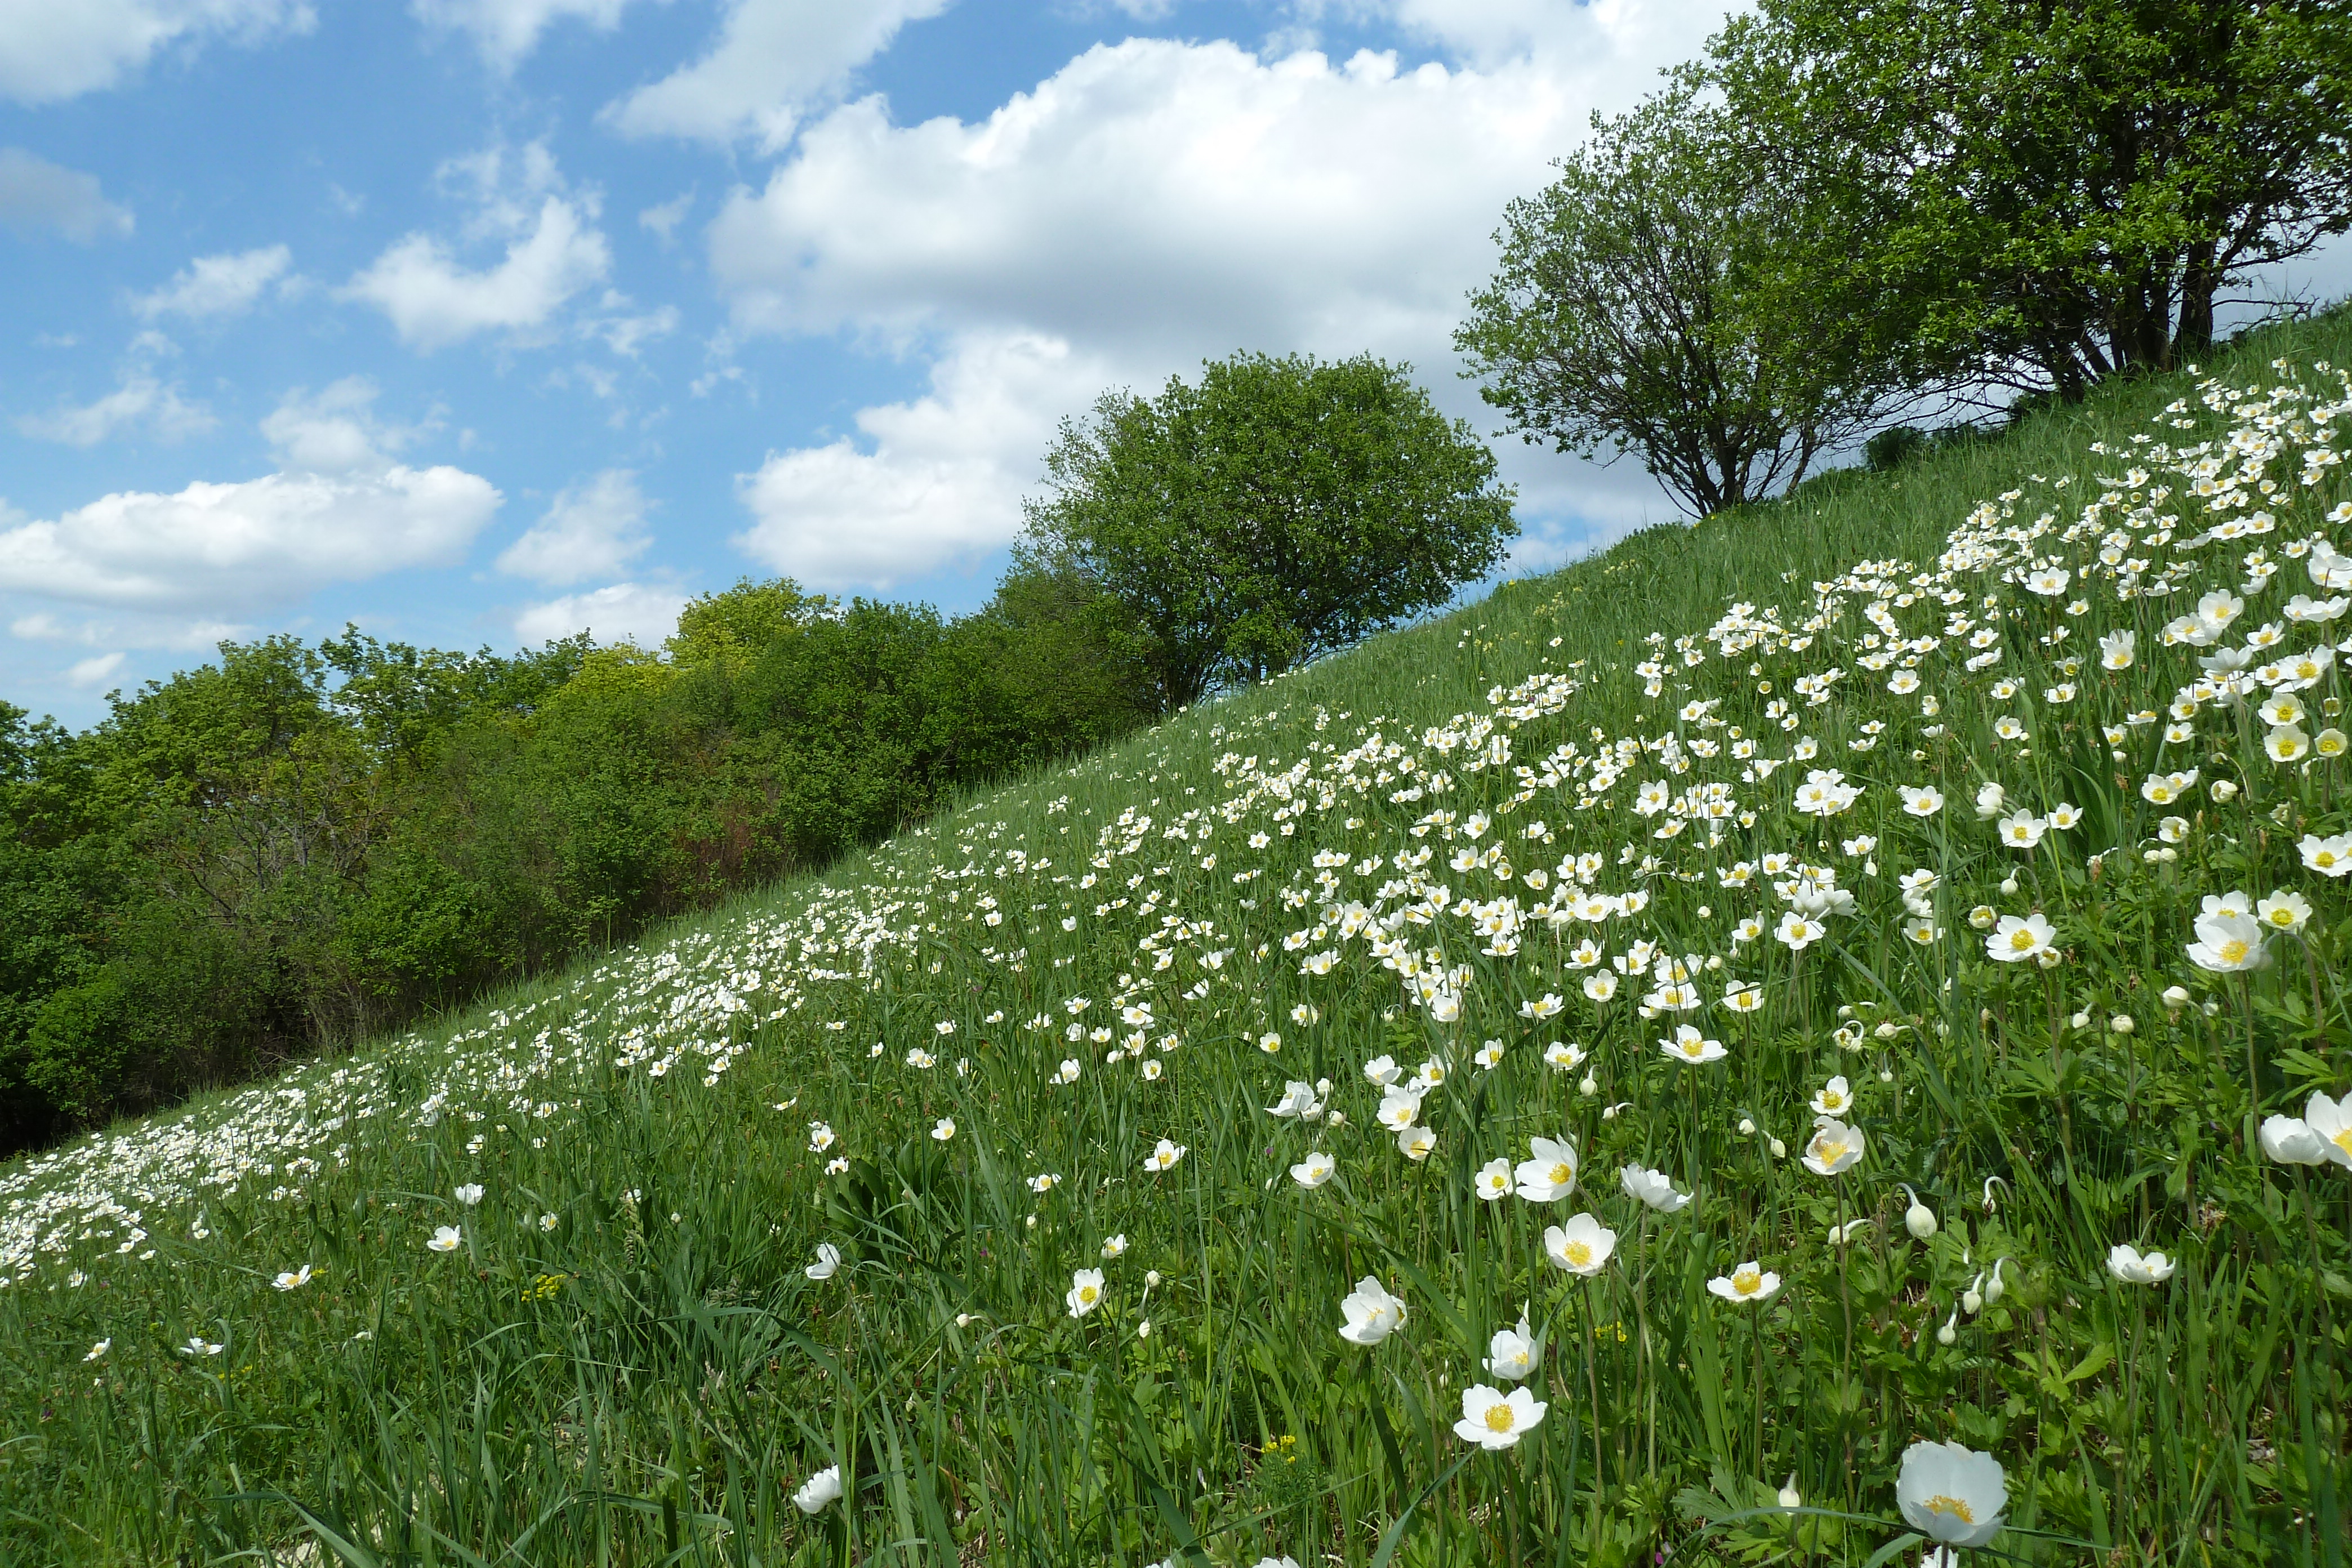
[(1619, 883)]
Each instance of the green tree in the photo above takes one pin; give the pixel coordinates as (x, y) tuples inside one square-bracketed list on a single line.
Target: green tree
[(1650, 301), (731, 628), (1275, 511), (2041, 194)]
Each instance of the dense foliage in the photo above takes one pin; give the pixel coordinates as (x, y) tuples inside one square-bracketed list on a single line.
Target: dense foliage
[(1275, 511), (301, 845), (2048, 194), (1848, 205), (1797, 1039), (1658, 299)]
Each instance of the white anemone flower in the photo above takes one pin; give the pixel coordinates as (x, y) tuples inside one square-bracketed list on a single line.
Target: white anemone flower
[(1496, 1421), (1371, 1313), (2284, 910), (2229, 941), (1299, 1100), (1924, 800), (1416, 1142), (446, 1239), (2291, 1141), (1691, 1048), (1085, 1293), (1748, 1282), (1494, 1180), (1510, 1355), (2332, 1121), (1834, 1098), (1582, 1246), (1314, 1171), (293, 1279), (818, 1491), (1798, 932), (2019, 937), (2022, 829), (1652, 1188), (1164, 1155), (1549, 1172), (2330, 857), (2129, 1264), (1951, 1494), (1835, 1149), (827, 1264)]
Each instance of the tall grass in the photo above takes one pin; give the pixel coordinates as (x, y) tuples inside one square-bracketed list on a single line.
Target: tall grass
[(624, 1359)]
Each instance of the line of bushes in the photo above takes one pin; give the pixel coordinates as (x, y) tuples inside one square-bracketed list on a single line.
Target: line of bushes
[(301, 844)]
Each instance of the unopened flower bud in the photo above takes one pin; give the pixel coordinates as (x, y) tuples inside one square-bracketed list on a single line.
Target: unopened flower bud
[(1918, 1219)]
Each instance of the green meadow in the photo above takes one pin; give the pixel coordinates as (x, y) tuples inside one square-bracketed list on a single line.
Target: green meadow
[(1575, 997)]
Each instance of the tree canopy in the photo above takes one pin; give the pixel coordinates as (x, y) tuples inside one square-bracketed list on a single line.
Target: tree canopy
[(1652, 300), (2043, 196), (1274, 510)]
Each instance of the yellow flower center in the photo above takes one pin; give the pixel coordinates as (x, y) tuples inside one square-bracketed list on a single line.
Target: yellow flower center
[(1086, 1294), (1501, 1416), (1960, 1511), (2343, 1139), (1748, 1281), (2282, 918), (1562, 1174), (1835, 1101), (1829, 1152), (1694, 1047), (2324, 859), (1580, 1254), (2233, 951), (2021, 941)]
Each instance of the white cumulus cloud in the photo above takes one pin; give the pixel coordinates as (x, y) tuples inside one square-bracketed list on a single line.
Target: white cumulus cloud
[(51, 51), (434, 301), (216, 547), (335, 430), (216, 286), (938, 480), (1149, 206), (773, 59), (641, 612), (593, 530), (36, 195)]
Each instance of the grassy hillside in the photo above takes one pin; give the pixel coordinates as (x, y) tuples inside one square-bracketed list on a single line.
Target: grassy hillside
[(545, 1287)]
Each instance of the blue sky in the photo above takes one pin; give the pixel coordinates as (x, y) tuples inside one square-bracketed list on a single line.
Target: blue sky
[(487, 320)]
